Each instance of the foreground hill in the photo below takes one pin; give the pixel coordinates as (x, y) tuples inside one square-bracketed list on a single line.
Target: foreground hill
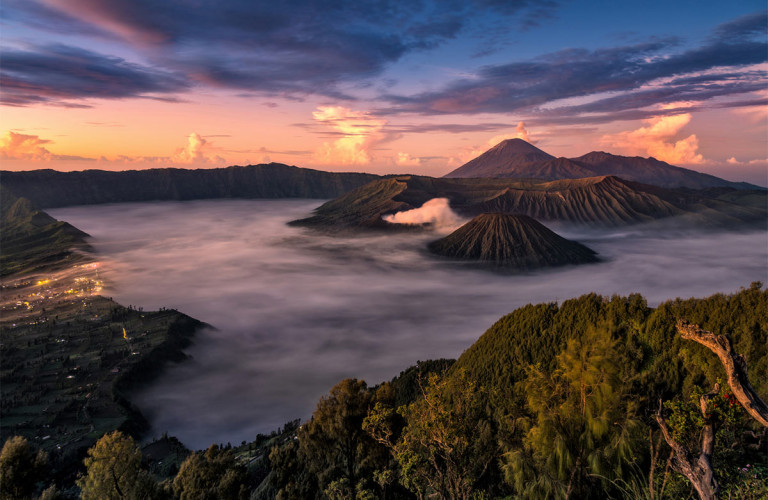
[(605, 201), (515, 158), (512, 242), (51, 188), (555, 400)]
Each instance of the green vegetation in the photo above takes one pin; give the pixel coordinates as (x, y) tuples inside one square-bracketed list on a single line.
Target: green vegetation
[(113, 471), (553, 401), (21, 467), (212, 474)]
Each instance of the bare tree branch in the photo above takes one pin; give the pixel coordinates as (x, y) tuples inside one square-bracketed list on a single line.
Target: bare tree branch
[(699, 469), (735, 368)]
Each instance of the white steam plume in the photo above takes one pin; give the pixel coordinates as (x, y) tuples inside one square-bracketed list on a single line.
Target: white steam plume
[(436, 212)]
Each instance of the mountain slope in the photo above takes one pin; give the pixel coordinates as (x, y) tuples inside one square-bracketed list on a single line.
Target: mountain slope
[(506, 156), (50, 188), (651, 171), (30, 238), (511, 241), (594, 202), (516, 158)]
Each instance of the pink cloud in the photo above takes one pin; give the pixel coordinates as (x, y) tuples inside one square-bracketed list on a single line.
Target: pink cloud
[(406, 160), (15, 146), (26, 148), (359, 133), (658, 139), (197, 151)]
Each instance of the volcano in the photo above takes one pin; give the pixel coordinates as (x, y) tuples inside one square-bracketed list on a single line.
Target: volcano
[(515, 158), (512, 242)]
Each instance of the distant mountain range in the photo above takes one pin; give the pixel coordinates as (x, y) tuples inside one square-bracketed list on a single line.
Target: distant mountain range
[(516, 158), (51, 188), (605, 201), (514, 242)]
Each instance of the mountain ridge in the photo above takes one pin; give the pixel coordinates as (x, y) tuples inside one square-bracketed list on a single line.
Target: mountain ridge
[(512, 159), (598, 202), (51, 188)]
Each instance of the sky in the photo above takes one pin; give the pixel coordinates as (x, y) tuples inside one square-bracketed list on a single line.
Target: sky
[(414, 86)]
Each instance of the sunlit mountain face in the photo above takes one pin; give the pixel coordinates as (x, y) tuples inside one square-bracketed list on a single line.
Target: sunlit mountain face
[(390, 88)]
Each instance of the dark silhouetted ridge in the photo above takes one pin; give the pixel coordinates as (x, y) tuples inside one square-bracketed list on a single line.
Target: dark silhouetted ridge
[(50, 188), (517, 159), (511, 241)]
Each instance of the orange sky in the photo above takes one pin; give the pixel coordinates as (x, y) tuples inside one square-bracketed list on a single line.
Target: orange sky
[(424, 112)]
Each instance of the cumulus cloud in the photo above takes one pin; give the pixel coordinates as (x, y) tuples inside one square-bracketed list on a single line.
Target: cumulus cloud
[(358, 130), (197, 150), (437, 212), (24, 147), (32, 148), (657, 139), (406, 160), (733, 161)]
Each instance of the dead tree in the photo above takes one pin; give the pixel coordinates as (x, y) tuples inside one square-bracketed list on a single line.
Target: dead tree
[(735, 368), (699, 469)]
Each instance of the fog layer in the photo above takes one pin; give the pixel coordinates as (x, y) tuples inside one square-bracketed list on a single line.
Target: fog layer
[(295, 312)]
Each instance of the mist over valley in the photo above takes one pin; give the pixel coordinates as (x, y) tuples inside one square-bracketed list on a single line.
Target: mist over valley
[(293, 310)]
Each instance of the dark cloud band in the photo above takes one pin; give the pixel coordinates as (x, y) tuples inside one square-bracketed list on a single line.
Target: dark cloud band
[(56, 73)]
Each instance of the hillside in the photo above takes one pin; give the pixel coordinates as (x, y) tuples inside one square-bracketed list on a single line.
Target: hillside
[(51, 188), (515, 158), (30, 238), (512, 242), (70, 355), (593, 202)]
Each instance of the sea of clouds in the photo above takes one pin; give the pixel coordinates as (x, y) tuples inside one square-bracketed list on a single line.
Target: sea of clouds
[(295, 311)]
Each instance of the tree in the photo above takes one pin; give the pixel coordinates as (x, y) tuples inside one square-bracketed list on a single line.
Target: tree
[(447, 443), (21, 468), (211, 475), (113, 471), (710, 413), (335, 448), (582, 422)]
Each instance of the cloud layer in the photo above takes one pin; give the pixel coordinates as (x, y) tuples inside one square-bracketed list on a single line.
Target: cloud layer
[(197, 152), (295, 313), (59, 74), (290, 47), (621, 78)]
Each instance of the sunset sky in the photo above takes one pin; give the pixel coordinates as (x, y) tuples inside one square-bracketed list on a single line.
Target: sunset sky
[(384, 87)]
